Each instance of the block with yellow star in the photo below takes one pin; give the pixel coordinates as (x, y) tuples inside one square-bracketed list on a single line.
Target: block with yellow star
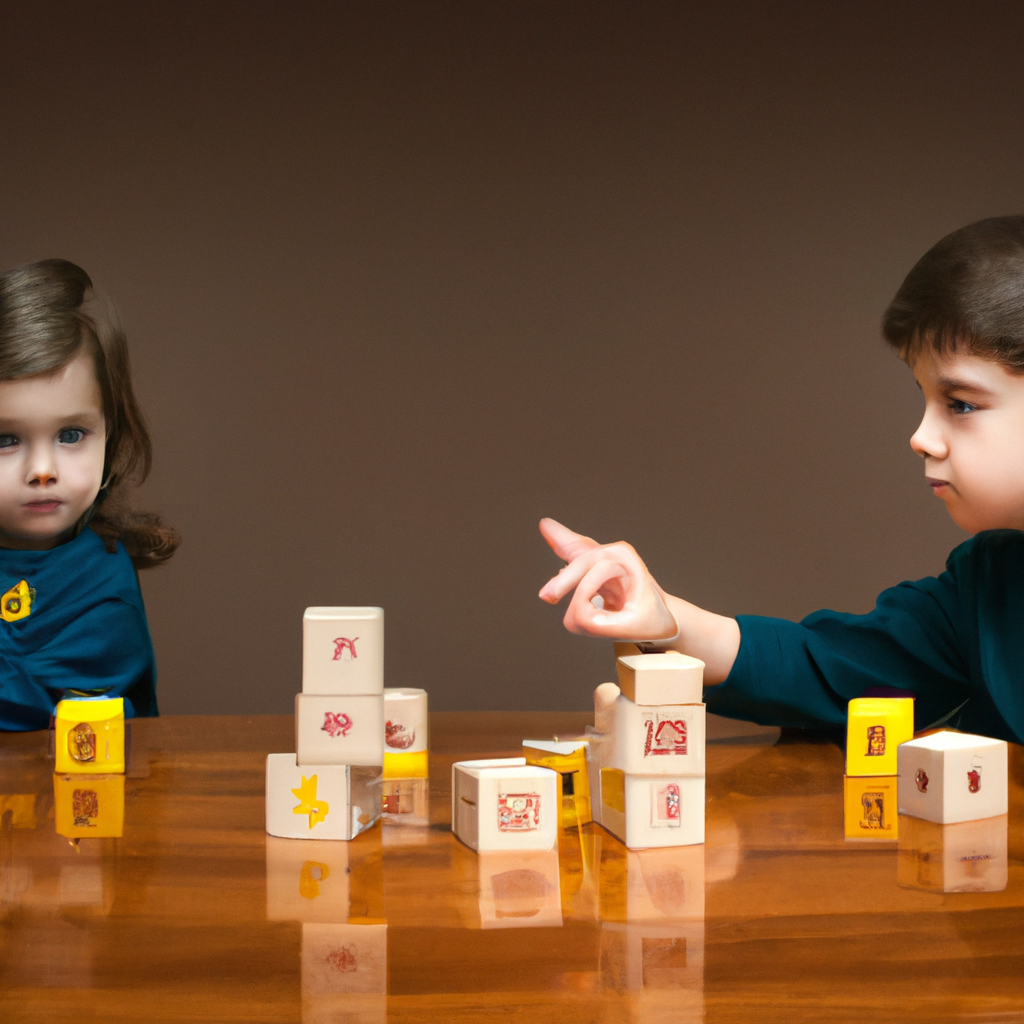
[(320, 801)]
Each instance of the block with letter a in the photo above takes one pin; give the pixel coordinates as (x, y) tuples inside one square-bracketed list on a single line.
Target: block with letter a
[(343, 650)]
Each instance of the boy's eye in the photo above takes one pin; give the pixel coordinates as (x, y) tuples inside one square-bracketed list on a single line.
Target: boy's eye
[(958, 406), (8, 441), (71, 436)]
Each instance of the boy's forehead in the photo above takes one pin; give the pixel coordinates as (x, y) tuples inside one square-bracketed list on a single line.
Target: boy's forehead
[(958, 367)]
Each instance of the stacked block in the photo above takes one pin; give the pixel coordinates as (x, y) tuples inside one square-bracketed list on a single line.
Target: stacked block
[(875, 728), (647, 765), (330, 788), (406, 757)]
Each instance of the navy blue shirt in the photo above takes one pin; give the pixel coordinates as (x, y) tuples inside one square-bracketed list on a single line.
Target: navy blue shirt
[(956, 641), (86, 630)]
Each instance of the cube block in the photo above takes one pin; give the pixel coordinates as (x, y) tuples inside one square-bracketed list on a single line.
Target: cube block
[(569, 759), (341, 729), (870, 807), (89, 807), (645, 811), (658, 679), (969, 856), (952, 776), (343, 650), (308, 881), (501, 806), (89, 736), (875, 727), (405, 733), (320, 801), (657, 740)]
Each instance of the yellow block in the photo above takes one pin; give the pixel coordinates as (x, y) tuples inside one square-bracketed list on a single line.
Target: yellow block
[(406, 766), (576, 807), (870, 810), (90, 807), (90, 736), (875, 727)]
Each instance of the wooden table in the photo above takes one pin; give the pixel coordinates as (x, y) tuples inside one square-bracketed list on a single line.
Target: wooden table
[(777, 918)]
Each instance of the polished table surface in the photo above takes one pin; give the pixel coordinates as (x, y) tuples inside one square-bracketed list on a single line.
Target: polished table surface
[(776, 918)]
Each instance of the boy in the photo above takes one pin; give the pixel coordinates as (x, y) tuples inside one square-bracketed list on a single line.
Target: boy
[(955, 641)]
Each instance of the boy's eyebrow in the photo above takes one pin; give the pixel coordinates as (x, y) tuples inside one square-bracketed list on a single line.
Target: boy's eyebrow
[(959, 384)]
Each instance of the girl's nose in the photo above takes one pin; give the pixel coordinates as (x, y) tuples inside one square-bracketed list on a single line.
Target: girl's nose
[(927, 441), (42, 470)]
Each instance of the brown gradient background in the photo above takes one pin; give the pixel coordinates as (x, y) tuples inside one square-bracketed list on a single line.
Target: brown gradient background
[(401, 278)]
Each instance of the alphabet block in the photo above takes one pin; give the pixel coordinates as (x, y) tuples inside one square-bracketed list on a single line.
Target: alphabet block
[(89, 736), (970, 856), (342, 729), (405, 733), (875, 727), (307, 882), (89, 807), (645, 811), (870, 807), (656, 679), (953, 776), (668, 739), (320, 801), (498, 805), (343, 650)]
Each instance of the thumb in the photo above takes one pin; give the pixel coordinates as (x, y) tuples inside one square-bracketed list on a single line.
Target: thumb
[(566, 544)]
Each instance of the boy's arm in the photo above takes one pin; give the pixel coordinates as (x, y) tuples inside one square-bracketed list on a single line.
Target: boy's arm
[(633, 606)]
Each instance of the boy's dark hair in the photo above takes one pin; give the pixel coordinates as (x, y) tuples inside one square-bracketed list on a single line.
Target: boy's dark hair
[(48, 313), (966, 293)]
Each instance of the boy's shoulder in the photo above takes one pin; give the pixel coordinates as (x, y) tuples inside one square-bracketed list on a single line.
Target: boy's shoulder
[(988, 547), (990, 564)]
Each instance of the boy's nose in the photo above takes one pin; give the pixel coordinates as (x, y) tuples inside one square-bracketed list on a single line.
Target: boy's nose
[(927, 440)]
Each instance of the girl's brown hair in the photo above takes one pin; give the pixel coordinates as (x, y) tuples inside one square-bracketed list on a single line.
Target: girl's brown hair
[(49, 311)]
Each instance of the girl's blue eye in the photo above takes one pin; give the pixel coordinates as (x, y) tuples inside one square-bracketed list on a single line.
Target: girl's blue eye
[(8, 440), (71, 436), (959, 406)]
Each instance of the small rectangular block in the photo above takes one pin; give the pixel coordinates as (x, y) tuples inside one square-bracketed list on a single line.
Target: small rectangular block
[(646, 811), (339, 729), (870, 807), (875, 727), (89, 807), (405, 733), (308, 881), (343, 650), (502, 806), (953, 776), (657, 740), (655, 679), (969, 856), (89, 736), (320, 801)]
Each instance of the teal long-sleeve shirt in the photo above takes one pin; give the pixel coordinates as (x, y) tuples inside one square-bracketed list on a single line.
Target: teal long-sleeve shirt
[(86, 630), (956, 641)]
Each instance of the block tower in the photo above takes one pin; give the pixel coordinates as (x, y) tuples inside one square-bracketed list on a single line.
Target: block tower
[(646, 755), (330, 788)]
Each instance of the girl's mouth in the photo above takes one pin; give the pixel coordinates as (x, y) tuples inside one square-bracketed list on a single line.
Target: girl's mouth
[(43, 506)]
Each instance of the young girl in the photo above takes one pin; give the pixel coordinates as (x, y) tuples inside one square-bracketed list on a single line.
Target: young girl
[(956, 640), (72, 439)]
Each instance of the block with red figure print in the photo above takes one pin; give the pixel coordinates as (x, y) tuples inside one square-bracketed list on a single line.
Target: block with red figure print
[(953, 776), (342, 729), (665, 739), (343, 650), (405, 733), (505, 804), (320, 801), (875, 727), (655, 679), (647, 811)]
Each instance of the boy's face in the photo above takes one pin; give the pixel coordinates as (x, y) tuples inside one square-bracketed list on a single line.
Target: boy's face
[(52, 438), (972, 439)]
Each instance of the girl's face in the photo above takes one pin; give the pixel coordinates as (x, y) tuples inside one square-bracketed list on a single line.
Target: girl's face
[(52, 440)]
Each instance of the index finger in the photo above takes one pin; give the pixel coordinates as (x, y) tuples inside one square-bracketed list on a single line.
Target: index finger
[(566, 544)]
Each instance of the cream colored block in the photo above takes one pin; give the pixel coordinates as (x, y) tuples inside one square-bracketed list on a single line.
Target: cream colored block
[(342, 729), (405, 720), (645, 811), (344, 959), (320, 801), (953, 776), (497, 805), (669, 678), (970, 856), (520, 889), (308, 881), (664, 740), (343, 650)]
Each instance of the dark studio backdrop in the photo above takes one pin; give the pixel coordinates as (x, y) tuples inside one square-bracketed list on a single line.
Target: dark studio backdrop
[(402, 278)]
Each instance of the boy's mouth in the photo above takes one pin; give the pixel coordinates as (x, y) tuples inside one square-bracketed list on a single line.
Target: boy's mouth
[(938, 486)]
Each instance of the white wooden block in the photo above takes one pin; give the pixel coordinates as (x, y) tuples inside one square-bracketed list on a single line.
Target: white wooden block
[(657, 740), (501, 806), (405, 720), (669, 678), (307, 881), (646, 811), (344, 958), (953, 776), (343, 650), (520, 889), (320, 801), (341, 729)]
